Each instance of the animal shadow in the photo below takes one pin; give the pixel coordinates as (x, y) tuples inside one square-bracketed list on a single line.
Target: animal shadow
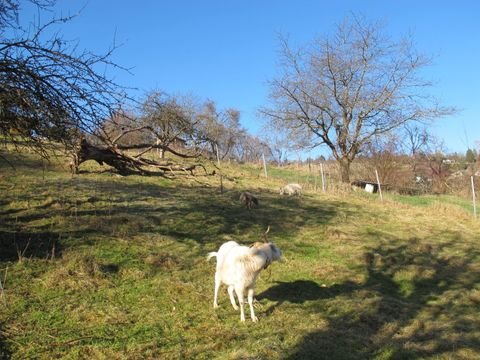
[(300, 291)]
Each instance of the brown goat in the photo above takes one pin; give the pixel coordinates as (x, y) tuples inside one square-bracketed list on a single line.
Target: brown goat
[(248, 199)]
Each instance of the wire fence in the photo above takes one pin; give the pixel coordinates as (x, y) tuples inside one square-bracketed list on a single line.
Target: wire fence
[(324, 177)]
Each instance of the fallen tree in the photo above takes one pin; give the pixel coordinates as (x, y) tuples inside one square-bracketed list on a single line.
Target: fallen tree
[(125, 164)]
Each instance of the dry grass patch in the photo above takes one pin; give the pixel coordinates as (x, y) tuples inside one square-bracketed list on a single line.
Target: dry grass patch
[(79, 272)]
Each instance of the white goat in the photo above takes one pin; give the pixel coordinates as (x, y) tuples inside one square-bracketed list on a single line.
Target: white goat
[(291, 189), (238, 267)]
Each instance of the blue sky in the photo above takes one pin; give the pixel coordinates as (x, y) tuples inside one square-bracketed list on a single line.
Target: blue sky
[(227, 50)]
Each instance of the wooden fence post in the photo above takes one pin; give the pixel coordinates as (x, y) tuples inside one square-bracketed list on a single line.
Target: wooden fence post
[(218, 157), (264, 165), (2, 294), (473, 199), (323, 177), (379, 187)]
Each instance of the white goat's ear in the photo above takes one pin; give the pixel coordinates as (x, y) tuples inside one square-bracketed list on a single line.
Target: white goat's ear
[(276, 252), (273, 248)]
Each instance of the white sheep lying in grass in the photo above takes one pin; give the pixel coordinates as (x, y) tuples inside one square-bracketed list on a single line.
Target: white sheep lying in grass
[(291, 189), (238, 267)]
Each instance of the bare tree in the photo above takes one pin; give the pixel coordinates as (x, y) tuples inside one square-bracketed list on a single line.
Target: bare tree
[(49, 90), (279, 143), (416, 141), (121, 129), (416, 138), (439, 165), (232, 131), (382, 155), (166, 123), (251, 149), (221, 129), (343, 90), (170, 121)]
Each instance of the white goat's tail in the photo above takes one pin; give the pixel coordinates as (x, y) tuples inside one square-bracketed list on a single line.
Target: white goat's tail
[(211, 254)]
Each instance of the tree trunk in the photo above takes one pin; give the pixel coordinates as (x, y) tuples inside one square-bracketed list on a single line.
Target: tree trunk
[(344, 170), (126, 164)]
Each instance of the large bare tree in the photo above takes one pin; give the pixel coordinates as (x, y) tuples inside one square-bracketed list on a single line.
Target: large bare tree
[(345, 89)]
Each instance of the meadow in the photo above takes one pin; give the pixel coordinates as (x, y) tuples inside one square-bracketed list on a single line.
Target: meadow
[(98, 266)]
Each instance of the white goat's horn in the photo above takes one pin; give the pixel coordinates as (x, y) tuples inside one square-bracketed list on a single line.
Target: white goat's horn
[(265, 234)]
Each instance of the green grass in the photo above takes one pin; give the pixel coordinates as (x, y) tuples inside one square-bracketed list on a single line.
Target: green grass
[(100, 266), (429, 200)]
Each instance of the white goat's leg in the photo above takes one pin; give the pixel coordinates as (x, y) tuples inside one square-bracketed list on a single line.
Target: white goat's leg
[(250, 303), (217, 286), (239, 291), (231, 288)]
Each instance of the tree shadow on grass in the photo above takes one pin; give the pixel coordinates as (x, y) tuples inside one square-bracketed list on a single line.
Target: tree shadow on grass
[(183, 213), (17, 245), (415, 303), (5, 352)]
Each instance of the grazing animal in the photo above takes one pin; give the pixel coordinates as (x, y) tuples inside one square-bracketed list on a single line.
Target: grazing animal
[(238, 267), (291, 189), (248, 199)]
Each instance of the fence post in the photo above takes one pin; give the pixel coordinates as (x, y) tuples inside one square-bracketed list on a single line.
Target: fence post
[(264, 165), (379, 187), (218, 157), (2, 294), (323, 177), (473, 199)]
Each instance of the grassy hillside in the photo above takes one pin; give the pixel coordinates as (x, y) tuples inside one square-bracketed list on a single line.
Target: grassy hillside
[(100, 266)]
